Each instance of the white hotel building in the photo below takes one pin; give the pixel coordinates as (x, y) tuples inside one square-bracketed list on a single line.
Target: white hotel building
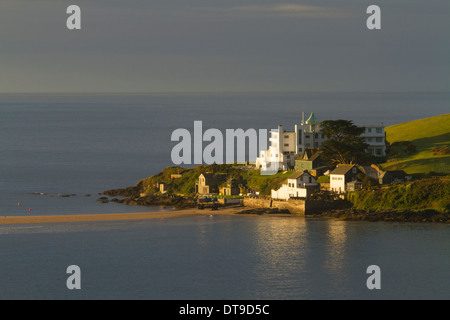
[(286, 146)]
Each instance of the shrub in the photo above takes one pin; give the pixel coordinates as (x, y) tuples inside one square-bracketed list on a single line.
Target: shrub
[(441, 150), (431, 193), (403, 146), (323, 179)]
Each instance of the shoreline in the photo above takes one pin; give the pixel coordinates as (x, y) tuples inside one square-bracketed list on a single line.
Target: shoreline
[(342, 215), (179, 213), (423, 216)]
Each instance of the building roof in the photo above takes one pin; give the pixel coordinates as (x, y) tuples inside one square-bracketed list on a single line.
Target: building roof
[(310, 154), (312, 119), (394, 173), (298, 174), (371, 171), (343, 169), (319, 168)]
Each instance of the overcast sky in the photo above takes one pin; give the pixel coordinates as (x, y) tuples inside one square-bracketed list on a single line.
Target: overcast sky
[(224, 45)]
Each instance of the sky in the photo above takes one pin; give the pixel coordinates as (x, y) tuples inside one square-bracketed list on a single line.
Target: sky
[(224, 46)]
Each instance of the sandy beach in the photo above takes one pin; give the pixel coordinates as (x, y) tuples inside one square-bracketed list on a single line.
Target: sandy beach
[(119, 216)]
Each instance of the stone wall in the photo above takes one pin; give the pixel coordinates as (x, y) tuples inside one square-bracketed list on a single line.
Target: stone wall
[(230, 201), (295, 207)]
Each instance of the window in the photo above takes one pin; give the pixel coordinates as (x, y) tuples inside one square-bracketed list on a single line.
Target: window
[(286, 144), (286, 137), (316, 135), (307, 145), (379, 139), (378, 130), (323, 136), (369, 129), (378, 152), (369, 139), (306, 136)]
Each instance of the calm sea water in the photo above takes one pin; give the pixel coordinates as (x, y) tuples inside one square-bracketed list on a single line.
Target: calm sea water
[(85, 144), (225, 258)]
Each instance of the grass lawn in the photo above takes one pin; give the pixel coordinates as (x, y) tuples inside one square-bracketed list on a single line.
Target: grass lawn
[(424, 134)]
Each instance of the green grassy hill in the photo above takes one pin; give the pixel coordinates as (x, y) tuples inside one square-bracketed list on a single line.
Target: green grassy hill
[(424, 194), (420, 146), (186, 184)]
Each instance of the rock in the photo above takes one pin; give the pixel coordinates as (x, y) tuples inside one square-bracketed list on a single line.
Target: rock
[(103, 200), (125, 192)]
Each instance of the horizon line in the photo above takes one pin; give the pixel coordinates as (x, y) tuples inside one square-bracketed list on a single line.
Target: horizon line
[(211, 92)]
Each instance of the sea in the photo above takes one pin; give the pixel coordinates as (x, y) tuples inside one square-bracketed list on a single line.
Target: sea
[(58, 152)]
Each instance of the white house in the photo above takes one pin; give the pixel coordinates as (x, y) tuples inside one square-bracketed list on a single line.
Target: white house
[(282, 151), (375, 137), (299, 185), (286, 146), (342, 175)]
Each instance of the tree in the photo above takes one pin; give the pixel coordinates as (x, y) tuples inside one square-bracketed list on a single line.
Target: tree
[(345, 144)]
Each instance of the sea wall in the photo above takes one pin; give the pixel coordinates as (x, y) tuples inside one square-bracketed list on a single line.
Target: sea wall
[(296, 207), (230, 201)]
